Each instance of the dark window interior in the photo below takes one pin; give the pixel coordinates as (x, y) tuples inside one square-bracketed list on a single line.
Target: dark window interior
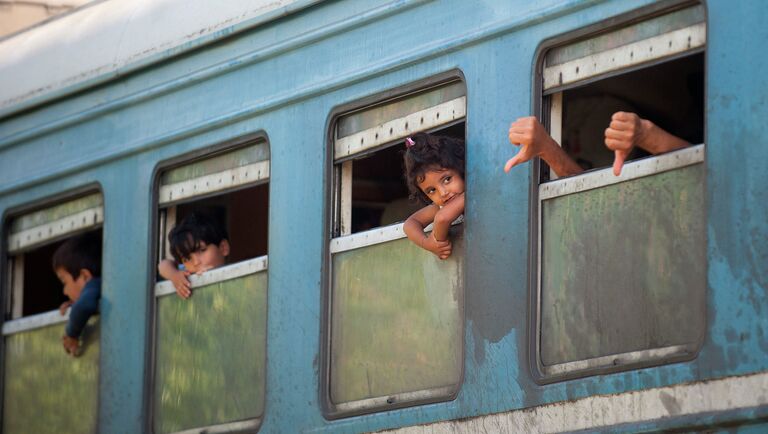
[(245, 215), (670, 94), (43, 291), (379, 191)]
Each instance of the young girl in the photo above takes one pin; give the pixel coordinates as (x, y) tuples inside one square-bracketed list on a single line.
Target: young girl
[(434, 172)]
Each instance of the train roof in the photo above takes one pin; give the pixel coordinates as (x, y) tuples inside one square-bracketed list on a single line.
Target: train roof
[(108, 38)]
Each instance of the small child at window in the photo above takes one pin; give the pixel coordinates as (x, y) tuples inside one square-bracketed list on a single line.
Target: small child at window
[(77, 264), (434, 172), (198, 244)]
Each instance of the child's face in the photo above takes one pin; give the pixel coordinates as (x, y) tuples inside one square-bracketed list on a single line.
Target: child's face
[(73, 286), (207, 256), (442, 185)]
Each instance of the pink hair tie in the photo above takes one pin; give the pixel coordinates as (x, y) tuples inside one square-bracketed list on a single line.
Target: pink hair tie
[(409, 142)]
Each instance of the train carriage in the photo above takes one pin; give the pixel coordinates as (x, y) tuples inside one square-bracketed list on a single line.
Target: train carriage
[(592, 302)]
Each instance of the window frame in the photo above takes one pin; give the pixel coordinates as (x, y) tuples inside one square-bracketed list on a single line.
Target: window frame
[(29, 208), (160, 288), (336, 241), (543, 102), (52, 317)]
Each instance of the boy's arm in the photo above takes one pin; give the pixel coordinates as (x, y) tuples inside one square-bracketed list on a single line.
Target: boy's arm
[(534, 141), (628, 130), (414, 229), (446, 215), (82, 310), (169, 271)]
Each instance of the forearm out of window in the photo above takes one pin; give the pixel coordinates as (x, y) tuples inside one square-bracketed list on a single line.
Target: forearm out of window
[(414, 230), (657, 141), (559, 161)]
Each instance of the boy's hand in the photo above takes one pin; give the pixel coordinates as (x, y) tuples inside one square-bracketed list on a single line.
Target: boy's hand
[(71, 345), (441, 249), (181, 283), (624, 133), (532, 138), (64, 306)]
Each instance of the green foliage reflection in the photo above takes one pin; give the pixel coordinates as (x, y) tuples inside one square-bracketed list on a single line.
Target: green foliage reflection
[(396, 320), (211, 355), (46, 390)]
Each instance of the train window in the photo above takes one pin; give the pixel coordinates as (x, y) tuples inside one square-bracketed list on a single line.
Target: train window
[(40, 379), (395, 329), (198, 385), (621, 259)]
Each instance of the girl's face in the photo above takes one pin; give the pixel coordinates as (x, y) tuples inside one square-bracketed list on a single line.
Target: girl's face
[(442, 185)]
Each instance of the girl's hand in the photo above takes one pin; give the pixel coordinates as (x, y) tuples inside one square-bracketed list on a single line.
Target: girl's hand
[(181, 283), (441, 249)]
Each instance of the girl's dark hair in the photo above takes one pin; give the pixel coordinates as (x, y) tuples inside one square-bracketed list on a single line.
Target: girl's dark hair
[(78, 253), (195, 228), (431, 152)]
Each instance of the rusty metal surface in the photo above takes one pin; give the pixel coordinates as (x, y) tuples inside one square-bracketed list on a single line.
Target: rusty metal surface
[(623, 267)]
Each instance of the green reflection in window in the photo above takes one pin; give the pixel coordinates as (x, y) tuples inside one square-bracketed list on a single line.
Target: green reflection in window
[(396, 320), (623, 267), (47, 390), (210, 357)]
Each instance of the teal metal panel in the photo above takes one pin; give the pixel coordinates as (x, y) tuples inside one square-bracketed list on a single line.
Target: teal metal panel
[(123, 130), (623, 267), (210, 355), (396, 320), (47, 390)]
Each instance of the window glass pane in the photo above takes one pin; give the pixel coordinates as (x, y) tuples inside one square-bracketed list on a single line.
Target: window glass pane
[(379, 125), (229, 170), (396, 323), (623, 267), (371, 117), (647, 41), (46, 389), (51, 223), (199, 381)]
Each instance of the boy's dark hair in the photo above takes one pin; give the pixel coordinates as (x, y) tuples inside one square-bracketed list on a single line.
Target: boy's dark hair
[(79, 252), (431, 152), (195, 228)]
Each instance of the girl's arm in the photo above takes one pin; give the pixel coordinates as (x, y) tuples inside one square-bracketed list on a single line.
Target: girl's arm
[(414, 229), (446, 215)]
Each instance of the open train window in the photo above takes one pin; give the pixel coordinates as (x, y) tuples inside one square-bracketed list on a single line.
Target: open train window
[(39, 378), (395, 325), (621, 259), (198, 384)]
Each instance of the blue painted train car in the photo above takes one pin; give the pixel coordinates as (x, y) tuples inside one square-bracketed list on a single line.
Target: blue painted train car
[(593, 302)]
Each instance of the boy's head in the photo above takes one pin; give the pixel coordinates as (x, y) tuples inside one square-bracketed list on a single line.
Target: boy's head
[(433, 162), (77, 261), (199, 242)]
